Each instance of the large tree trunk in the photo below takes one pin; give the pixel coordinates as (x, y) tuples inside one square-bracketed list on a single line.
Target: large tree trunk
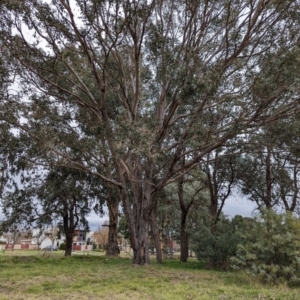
[(112, 247), (141, 231), (184, 244), (156, 236), (69, 231), (137, 209), (140, 248), (184, 249), (138, 225), (69, 244), (113, 205)]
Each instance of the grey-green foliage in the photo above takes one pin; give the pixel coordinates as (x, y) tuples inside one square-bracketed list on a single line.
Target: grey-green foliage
[(272, 248), (123, 229), (215, 246), (268, 169)]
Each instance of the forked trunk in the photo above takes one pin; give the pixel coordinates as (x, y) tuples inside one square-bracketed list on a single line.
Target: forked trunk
[(138, 205), (138, 224)]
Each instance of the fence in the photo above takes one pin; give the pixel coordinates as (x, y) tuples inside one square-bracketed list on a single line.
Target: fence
[(82, 247), (21, 247)]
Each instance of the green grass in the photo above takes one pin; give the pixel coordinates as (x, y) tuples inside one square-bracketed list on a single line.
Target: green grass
[(53, 276)]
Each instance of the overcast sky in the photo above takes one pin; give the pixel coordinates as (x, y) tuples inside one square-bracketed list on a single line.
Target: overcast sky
[(236, 205)]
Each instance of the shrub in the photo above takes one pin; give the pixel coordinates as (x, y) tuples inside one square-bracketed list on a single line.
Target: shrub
[(216, 247), (62, 246), (272, 248)]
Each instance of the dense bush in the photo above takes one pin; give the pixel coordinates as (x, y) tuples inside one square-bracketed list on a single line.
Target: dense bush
[(271, 248), (217, 245), (62, 246)]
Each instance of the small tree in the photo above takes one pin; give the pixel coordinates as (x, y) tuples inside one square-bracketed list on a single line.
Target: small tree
[(216, 247), (272, 247)]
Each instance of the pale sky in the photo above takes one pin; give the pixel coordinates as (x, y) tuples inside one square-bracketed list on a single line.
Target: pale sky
[(237, 205)]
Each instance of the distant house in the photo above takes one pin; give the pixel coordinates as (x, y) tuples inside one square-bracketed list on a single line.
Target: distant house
[(82, 237), (82, 240), (79, 237)]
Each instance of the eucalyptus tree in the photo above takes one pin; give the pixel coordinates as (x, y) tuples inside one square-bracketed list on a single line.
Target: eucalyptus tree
[(148, 75), (178, 212), (259, 167), (7, 142), (287, 162), (268, 172), (65, 195)]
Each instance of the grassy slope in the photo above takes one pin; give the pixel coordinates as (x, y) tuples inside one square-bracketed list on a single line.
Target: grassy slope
[(95, 277)]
